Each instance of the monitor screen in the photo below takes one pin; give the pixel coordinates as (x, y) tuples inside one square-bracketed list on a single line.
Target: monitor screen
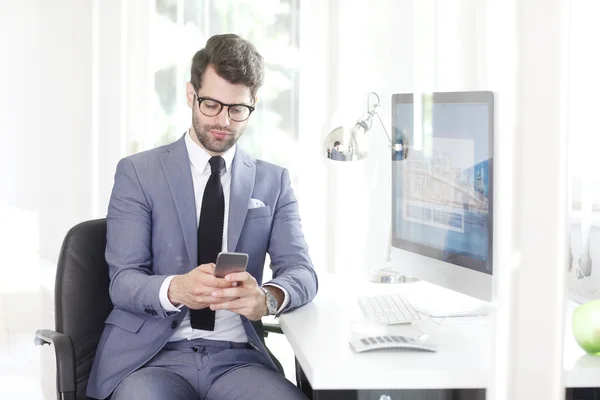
[(442, 171)]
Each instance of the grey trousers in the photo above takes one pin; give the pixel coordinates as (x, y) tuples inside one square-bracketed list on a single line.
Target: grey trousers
[(206, 370)]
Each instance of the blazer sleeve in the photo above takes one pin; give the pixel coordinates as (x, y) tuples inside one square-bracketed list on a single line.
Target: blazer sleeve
[(291, 264), (133, 285)]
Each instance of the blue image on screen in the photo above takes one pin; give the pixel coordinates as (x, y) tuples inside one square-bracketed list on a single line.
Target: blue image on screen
[(441, 188)]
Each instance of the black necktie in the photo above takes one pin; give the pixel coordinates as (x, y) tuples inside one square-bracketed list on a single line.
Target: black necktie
[(210, 234)]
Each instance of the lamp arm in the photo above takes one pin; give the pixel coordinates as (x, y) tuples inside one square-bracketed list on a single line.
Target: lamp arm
[(385, 130), (374, 109)]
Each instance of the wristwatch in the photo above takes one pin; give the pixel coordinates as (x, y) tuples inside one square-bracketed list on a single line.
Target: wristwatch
[(271, 302)]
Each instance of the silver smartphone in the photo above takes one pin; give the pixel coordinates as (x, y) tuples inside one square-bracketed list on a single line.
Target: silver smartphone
[(228, 263)]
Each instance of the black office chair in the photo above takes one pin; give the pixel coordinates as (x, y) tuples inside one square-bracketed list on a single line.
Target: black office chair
[(82, 304)]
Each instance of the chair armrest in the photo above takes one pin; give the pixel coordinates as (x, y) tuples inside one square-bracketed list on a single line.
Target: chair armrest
[(272, 328), (65, 358)]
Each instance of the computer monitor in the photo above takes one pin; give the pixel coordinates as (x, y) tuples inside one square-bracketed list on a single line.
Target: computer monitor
[(442, 189)]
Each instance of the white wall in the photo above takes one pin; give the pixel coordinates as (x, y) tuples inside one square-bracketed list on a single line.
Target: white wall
[(64, 138), (371, 47), (63, 112), (20, 122)]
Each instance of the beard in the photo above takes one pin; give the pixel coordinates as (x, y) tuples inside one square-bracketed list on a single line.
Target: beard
[(211, 143)]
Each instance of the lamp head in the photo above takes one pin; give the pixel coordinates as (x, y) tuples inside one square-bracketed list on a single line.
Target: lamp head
[(350, 144), (343, 144)]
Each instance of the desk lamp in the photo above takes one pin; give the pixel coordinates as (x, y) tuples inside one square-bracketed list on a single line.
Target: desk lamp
[(347, 145)]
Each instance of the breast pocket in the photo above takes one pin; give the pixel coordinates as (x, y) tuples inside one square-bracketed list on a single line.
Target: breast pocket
[(258, 212), (256, 232), (125, 320)]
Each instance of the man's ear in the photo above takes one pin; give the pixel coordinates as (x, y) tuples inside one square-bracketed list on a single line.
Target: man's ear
[(255, 100), (190, 94)]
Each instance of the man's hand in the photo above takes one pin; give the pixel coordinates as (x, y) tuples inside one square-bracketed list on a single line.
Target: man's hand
[(194, 289), (247, 299)]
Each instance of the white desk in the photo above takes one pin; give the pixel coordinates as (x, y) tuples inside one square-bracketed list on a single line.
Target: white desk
[(319, 333)]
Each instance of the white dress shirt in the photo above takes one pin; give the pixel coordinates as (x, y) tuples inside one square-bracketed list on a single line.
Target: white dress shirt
[(228, 325)]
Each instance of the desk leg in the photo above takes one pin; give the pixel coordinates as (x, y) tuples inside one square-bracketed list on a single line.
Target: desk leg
[(304, 385), (302, 381)]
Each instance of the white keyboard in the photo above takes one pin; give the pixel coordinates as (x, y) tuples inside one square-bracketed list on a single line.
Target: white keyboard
[(368, 343), (388, 309)]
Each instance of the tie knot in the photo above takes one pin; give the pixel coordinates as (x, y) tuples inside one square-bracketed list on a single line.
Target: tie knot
[(216, 164)]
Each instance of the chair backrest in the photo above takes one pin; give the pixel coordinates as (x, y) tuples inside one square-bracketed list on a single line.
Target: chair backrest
[(81, 297)]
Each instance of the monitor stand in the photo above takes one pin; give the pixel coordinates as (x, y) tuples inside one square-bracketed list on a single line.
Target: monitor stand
[(388, 275)]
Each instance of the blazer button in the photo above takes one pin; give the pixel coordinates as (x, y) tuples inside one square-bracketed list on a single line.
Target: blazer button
[(173, 324)]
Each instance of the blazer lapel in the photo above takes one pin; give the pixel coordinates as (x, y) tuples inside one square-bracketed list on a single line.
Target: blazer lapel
[(243, 172), (176, 165)]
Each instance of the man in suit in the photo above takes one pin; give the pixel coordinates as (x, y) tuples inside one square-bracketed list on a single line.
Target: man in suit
[(335, 152), (176, 330)]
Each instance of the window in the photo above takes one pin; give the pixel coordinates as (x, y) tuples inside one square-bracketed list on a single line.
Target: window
[(179, 28)]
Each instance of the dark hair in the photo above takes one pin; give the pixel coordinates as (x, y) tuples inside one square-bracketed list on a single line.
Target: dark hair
[(233, 58), (336, 143)]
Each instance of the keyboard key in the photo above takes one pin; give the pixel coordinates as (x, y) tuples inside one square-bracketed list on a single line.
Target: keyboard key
[(384, 302), (376, 306), (388, 309)]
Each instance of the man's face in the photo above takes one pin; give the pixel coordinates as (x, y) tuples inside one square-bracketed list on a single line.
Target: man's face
[(217, 134)]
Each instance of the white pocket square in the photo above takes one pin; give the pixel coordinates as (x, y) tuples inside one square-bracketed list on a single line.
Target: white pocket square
[(255, 203)]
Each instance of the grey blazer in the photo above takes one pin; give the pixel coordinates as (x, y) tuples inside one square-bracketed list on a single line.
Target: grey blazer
[(152, 234)]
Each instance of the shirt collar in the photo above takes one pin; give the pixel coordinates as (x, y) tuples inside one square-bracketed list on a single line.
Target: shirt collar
[(199, 157)]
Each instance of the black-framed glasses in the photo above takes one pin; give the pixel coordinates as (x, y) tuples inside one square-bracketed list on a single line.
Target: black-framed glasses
[(212, 108)]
